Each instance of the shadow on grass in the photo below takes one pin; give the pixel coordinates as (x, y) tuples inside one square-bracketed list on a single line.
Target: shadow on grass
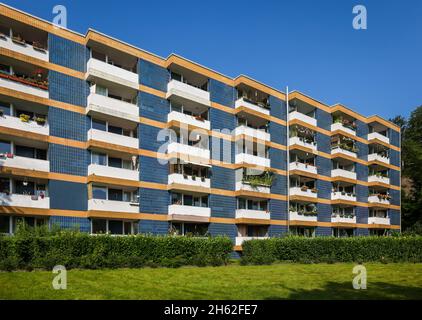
[(345, 291)]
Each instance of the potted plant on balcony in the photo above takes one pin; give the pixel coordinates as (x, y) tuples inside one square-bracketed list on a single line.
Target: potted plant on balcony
[(38, 46), (9, 155), (1, 113), (19, 40), (3, 36), (193, 177), (304, 188), (40, 121), (24, 117), (314, 190), (185, 176)]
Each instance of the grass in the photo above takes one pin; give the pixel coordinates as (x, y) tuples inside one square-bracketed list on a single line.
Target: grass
[(279, 281)]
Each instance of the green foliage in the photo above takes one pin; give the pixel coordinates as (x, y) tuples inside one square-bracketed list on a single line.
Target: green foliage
[(29, 250), (331, 250)]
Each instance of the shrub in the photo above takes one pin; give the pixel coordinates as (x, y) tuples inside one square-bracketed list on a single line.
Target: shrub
[(332, 250), (31, 250)]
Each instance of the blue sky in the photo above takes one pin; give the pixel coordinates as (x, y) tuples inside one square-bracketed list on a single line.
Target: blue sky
[(308, 45)]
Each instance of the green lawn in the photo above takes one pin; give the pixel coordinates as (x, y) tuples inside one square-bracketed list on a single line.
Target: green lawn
[(280, 281)]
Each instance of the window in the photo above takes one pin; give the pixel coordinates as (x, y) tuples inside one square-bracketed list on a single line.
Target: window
[(176, 198), (28, 221), (99, 192), (99, 158), (25, 187), (4, 146), (116, 130), (98, 55), (190, 229), (4, 224), (103, 91), (4, 68), (114, 162), (5, 107), (176, 76), (4, 185), (252, 204), (187, 200), (26, 152), (115, 227), (99, 226), (115, 195), (99, 125)]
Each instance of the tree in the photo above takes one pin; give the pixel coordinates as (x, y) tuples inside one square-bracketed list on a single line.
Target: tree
[(411, 168)]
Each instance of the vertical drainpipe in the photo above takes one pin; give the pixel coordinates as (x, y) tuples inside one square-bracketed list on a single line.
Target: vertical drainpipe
[(288, 159)]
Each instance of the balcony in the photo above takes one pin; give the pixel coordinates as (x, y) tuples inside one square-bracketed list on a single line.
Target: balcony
[(341, 127), (251, 132), (379, 199), (378, 157), (116, 108), (112, 172), (251, 106), (189, 120), (188, 92), (339, 150), (25, 201), (296, 216), (302, 167), (117, 139), (379, 220), (303, 192), (378, 136), (191, 151), (25, 163), (339, 195), (252, 214), (301, 142), (244, 186), (295, 115), (34, 51), (15, 83), (180, 179), (379, 178), (30, 126), (343, 219), (102, 70), (180, 212), (240, 240), (251, 159), (343, 174), (114, 206)]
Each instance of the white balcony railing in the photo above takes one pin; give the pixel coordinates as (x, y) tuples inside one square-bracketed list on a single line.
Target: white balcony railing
[(339, 126), (240, 240), (25, 201), (343, 173), (25, 163), (113, 107), (100, 69), (25, 49), (251, 132), (30, 126), (379, 220), (378, 136), (338, 150), (301, 142), (297, 191), (375, 178), (186, 91), (303, 167), (249, 105), (251, 159), (295, 115), (117, 139), (114, 206), (111, 172), (378, 200), (378, 157), (247, 187), (252, 214), (338, 195), (339, 219), (201, 212), (295, 216), (17, 86), (189, 120), (177, 178), (179, 148)]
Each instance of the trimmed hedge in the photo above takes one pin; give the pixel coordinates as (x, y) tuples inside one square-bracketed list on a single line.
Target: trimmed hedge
[(330, 250), (79, 250)]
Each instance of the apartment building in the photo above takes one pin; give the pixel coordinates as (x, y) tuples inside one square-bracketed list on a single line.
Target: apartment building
[(101, 136)]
